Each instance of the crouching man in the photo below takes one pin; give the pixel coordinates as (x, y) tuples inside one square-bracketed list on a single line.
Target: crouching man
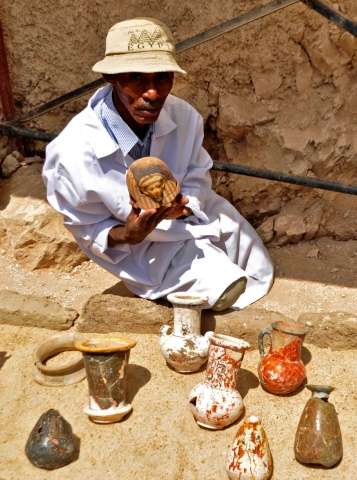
[(200, 244)]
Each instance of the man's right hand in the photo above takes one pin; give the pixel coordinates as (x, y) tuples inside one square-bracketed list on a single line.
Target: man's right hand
[(138, 225)]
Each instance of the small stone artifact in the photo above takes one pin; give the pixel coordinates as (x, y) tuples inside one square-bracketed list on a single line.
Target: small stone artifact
[(216, 403), (66, 374), (185, 350), (318, 437), (249, 458), (105, 360), (151, 183), (281, 370), (51, 443)]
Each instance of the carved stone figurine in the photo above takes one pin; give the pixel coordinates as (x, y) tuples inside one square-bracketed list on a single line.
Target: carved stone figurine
[(318, 437), (51, 443), (105, 361), (249, 458), (151, 183)]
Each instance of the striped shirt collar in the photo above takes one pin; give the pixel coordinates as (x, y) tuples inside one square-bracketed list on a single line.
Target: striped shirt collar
[(119, 130), (102, 142)]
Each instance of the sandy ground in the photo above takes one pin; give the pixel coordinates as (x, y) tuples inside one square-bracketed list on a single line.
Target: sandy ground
[(315, 276), (160, 439)]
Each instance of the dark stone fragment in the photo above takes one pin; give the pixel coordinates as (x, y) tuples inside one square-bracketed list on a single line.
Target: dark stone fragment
[(52, 443)]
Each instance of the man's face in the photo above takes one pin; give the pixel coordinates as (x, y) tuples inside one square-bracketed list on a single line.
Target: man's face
[(140, 97)]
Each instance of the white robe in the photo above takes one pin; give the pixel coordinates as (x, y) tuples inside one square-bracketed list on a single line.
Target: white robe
[(85, 177)]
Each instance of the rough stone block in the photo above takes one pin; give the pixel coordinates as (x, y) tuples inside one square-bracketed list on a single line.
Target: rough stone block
[(245, 324), (11, 163), (335, 330), (31, 311), (105, 313), (34, 232)]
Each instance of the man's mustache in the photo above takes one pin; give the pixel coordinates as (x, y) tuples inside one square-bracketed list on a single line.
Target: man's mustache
[(150, 106)]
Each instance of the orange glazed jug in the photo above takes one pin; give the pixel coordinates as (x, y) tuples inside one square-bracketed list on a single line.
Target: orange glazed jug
[(281, 369)]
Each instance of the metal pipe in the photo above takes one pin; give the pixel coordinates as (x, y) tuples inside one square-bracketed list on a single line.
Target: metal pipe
[(332, 15), (7, 129), (62, 100), (236, 22), (285, 178), (15, 131)]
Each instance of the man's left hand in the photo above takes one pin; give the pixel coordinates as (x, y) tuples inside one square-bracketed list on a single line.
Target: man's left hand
[(178, 208)]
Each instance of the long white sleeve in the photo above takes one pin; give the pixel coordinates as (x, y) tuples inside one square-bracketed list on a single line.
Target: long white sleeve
[(88, 221)]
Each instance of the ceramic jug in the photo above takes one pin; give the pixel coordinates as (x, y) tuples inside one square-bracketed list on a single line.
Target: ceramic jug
[(185, 349), (281, 370), (318, 437), (105, 361), (249, 458), (216, 403)]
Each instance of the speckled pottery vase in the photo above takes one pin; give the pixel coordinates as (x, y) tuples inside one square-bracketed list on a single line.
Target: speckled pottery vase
[(185, 349), (105, 361), (281, 370), (249, 458), (216, 403), (52, 443), (318, 437)]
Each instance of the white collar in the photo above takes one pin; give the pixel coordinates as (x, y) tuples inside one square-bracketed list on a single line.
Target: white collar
[(104, 144)]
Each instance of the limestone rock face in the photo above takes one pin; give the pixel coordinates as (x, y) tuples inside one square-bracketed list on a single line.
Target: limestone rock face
[(4, 147), (280, 94), (105, 313), (337, 330), (31, 311), (11, 163), (30, 229)]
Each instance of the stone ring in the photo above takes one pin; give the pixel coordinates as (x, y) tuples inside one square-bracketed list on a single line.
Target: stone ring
[(66, 374)]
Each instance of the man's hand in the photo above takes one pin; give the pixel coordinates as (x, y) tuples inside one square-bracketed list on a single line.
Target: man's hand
[(138, 226), (178, 208)]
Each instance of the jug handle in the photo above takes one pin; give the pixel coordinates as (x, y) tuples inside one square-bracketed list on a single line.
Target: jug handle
[(266, 331)]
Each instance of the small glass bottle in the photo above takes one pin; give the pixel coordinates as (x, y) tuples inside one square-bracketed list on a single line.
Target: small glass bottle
[(318, 437)]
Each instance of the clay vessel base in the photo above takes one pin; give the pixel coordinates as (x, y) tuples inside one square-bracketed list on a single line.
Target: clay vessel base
[(111, 415), (209, 427), (179, 370)]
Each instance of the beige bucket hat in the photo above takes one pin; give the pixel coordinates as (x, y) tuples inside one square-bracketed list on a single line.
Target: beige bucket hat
[(139, 45)]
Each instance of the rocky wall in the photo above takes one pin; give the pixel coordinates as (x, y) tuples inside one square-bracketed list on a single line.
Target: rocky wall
[(280, 93)]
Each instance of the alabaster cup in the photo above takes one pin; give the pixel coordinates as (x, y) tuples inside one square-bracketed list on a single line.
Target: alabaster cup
[(105, 361)]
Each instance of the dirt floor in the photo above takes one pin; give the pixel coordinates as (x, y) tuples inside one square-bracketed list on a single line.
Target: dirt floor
[(160, 439)]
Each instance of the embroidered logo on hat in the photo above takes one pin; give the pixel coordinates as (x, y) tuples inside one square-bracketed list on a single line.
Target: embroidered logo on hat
[(139, 45), (142, 39)]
